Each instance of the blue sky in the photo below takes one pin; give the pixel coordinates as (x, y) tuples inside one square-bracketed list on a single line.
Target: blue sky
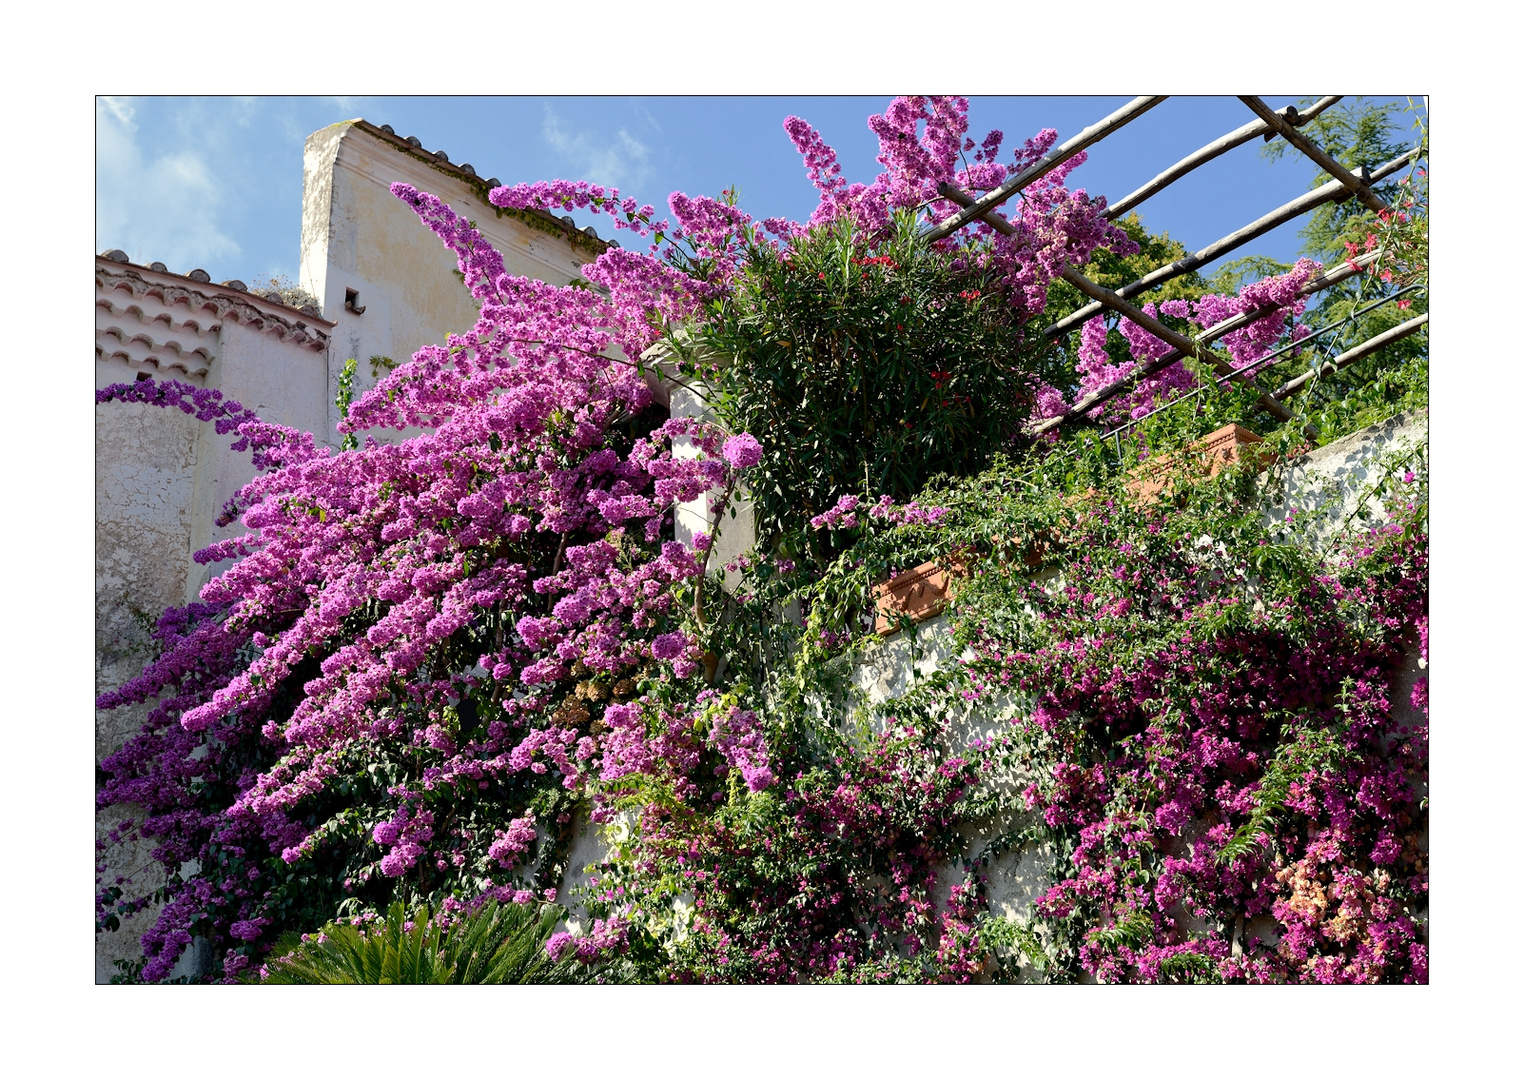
[(215, 182)]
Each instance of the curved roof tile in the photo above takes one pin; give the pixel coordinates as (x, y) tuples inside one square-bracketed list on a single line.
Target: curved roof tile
[(287, 323)]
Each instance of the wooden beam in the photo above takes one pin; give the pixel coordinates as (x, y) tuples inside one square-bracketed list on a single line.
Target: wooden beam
[(1212, 333), (954, 194), (1092, 134), (1184, 344), (1249, 131), (1333, 191), (1358, 187), (1359, 352)]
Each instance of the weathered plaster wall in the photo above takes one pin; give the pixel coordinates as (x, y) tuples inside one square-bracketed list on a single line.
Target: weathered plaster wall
[(284, 385), (1326, 488), (144, 473), (161, 476)]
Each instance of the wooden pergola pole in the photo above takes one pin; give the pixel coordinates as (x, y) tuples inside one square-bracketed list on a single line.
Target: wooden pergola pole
[(1332, 191), (1359, 352), (1092, 134), (1251, 130), (1236, 322), (1357, 187)]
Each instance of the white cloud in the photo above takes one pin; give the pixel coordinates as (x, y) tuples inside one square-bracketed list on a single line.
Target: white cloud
[(646, 114), (120, 108), (625, 163), (163, 209)]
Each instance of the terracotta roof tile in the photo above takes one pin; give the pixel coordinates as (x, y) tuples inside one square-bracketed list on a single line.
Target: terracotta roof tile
[(304, 324)]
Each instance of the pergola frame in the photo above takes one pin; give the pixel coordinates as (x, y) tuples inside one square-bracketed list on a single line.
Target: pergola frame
[(1344, 184)]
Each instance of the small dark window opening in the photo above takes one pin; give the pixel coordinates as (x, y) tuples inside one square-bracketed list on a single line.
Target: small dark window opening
[(351, 301), (144, 376)]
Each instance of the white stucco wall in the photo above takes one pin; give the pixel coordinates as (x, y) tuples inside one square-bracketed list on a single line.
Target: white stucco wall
[(284, 385), (1326, 488), (734, 524)]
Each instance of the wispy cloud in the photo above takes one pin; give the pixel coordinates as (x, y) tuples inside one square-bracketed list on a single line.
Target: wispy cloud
[(121, 109), (624, 162), (164, 207)]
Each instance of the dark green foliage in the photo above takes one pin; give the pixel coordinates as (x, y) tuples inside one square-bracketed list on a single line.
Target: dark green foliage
[(866, 368)]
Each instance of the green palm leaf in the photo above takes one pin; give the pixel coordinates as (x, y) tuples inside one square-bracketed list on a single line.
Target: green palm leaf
[(494, 944)]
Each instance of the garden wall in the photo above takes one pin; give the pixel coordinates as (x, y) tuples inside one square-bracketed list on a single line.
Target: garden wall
[(1331, 485)]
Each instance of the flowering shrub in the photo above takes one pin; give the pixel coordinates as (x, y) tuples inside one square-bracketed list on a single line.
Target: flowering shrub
[(411, 650), (855, 352), (1206, 734), (871, 360), (1211, 739)]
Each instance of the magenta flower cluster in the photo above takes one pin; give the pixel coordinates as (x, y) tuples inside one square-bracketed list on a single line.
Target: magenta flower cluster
[(511, 510), (1246, 346), (1255, 813), (846, 514)]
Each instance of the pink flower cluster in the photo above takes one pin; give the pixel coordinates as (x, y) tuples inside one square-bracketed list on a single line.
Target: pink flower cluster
[(512, 842), (606, 938), (1277, 294), (840, 516), (921, 140), (405, 835), (844, 515)]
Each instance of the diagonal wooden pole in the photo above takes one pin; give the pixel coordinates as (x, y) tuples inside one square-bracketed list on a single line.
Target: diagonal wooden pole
[(1215, 149), (1358, 187), (1329, 192), (1184, 344), (1359, 352), (1092, 134)]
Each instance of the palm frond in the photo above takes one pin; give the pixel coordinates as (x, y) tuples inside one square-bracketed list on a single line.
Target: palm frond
[(492, 944)]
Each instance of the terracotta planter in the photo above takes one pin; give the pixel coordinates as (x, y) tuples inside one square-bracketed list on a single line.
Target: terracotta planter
[(921, 593), (1222, 447)]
